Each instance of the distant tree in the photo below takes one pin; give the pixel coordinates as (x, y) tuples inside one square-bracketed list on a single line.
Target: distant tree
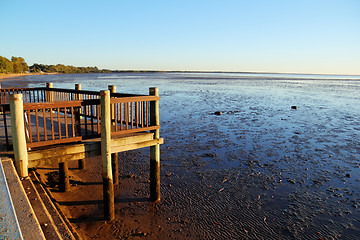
[(6, 66), (19, 65)]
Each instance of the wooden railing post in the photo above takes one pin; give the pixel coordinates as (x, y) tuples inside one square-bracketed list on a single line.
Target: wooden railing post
[(114, 156), (49, 94), (18, 134), (81, 162), (154, 150), (108, 186)]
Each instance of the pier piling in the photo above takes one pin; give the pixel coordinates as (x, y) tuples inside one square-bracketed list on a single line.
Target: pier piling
[(81, 162), (154, 150), (64, 181), (108, 186), (18, 134), (114, 156)]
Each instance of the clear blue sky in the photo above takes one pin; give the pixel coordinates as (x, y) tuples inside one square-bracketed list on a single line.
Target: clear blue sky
[(307, 36)]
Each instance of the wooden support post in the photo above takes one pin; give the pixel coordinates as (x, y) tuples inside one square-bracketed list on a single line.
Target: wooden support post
[(108, 186), (49, 94), (64, 181), (112, 89), (115, 167), (114, 156), (18, 134), (81, 162), (154, 150)]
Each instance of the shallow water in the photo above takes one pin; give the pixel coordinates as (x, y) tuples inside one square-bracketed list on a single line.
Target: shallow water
[(261, 169)]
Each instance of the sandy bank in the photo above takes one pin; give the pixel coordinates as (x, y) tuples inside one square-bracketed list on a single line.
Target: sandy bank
[(15, 75)]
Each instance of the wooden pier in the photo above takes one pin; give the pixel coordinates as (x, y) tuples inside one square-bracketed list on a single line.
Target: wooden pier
[(49, 125)]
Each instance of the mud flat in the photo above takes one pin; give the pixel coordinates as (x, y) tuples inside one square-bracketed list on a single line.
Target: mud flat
[(260, 170)]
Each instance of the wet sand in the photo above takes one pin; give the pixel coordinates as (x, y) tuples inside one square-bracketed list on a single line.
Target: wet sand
[(259, 171), (16, 76)]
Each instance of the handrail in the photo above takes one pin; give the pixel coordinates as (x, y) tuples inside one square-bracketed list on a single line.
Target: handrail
[(68, 115)]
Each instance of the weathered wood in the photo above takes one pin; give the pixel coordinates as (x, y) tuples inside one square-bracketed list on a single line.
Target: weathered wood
[(108, 187), (49, 94), (78, 151), (90, 145), (128, 147), (115, 167), (135, 130), (135, 99), (18, 134), (114, 156), (64, 181), (56, 141), (108, 194), (81, 162), (155, 150)]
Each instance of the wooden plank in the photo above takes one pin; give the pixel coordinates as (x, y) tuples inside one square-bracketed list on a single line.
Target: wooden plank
[(52, 142), (87, 145), (135, 130), (38, 159), (59, 159), (63, 152), (133, 146), (134, 99)]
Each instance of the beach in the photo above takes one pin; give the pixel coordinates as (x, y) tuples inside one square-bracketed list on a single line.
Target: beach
[(14, 76), (260, 170)]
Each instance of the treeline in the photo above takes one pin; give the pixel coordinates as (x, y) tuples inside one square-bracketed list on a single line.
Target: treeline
[(18, 65), (60, 68)]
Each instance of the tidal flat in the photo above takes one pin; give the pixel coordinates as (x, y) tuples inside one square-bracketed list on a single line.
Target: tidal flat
[(260, 170)]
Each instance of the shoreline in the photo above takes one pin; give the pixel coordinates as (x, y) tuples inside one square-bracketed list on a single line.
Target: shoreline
[(15, 75)]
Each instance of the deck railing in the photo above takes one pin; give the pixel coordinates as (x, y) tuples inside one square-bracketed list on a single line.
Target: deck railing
[(55, 116)]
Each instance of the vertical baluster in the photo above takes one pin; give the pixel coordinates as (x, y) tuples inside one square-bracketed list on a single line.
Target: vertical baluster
[(85, 116), (121, 116), (116, 109), (52, 123), (6, 130), (131, 115), (143, 114), (37, 125), (137, 114), (30, 130), (66, 123), (59, 122), (44, 116), (72, 121), (98, 118), (92, 119), (147, 113), (126, 115)]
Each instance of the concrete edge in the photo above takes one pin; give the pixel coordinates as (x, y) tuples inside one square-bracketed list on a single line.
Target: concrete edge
[(9, 225), (28, 222)]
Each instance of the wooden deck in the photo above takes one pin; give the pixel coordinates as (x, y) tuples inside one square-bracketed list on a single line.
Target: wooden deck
[(51, 125)]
